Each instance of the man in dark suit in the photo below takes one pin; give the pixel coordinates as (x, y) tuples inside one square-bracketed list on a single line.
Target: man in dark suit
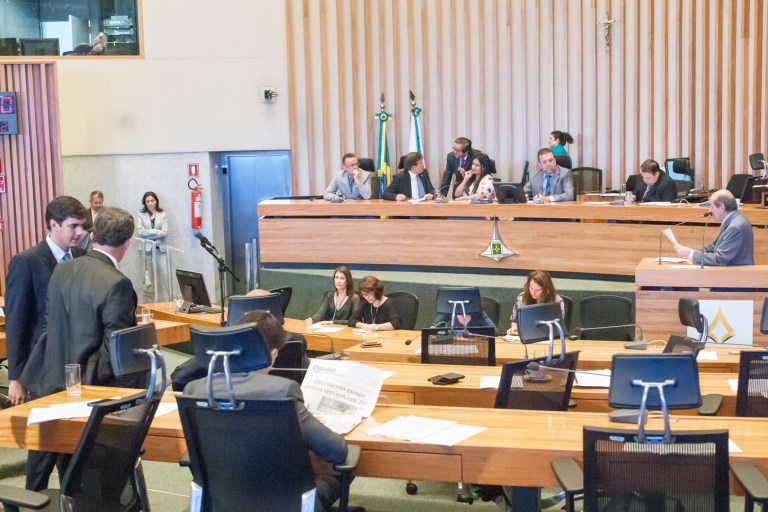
[(457, 163), (96, 201), (735, 243), (88, 299), (413, 183), (27, 283), (258, 385), (656, 185)]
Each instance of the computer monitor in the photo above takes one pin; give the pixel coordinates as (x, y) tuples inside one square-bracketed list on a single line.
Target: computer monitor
[(446, 295), (457, 346), (45, 46), (764, 317), (530, 318), (683, 393), (510, 193), (192, 287)]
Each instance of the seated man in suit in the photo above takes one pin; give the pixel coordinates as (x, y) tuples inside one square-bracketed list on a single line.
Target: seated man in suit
[(351, 183), (656, 185), (412, 183), (735, 243), (457, 163), (258, 385), (552, 183)]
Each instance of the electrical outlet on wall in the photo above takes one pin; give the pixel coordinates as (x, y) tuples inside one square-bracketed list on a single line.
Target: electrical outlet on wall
[(268, 94)]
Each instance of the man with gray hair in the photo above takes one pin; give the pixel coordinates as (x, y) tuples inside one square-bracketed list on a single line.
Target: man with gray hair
[(88, 299), (735, 243)]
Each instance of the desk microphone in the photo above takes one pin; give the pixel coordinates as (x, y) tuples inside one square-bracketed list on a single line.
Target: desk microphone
[(534, 367), (708, 214)]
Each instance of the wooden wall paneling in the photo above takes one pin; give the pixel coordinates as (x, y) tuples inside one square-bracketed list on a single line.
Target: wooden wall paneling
[(763, 146), (666, 77), (743, 114), (293, 126), (718, 134), (755, 71), (622, 99), (732, 38), (706, 45), (690, 150), (678, 64), (31, 159), (635, 73)]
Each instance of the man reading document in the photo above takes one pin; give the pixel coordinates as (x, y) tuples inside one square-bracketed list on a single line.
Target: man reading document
[(734, 244)]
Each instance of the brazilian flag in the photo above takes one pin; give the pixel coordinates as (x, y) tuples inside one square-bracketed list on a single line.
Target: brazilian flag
[(383, 170)]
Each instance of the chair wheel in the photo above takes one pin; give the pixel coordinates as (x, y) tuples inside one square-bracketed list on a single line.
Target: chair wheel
[(411, 488), (461, 498)]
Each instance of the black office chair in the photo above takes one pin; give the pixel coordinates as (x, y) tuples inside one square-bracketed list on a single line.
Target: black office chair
[(367, 164), (757, 162), (564, 161), (752, 393), (740, 185), (238, 305), (105, 472), (492, 308), (568, 320), (131, 368), (524, 179), (289, 362), (224, 466), (607, 317), (683, 188), (622, 473), (407, 306), (285, 293), (631, 182), (587, 179)]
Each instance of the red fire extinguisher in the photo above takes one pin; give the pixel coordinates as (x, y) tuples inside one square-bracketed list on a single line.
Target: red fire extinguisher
[(197, 204)]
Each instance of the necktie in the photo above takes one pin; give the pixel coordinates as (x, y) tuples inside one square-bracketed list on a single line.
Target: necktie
[(66, 257), (647, 190), (419, 187), (351, 185), (547, 184)]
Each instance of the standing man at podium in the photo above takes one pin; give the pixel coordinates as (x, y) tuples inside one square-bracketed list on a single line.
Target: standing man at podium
[(734, 245)]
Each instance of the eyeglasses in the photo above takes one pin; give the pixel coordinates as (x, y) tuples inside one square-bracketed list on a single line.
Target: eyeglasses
[(367, 294)]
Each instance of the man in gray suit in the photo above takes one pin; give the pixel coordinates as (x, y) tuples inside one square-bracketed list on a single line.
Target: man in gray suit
[(351, 182), (259, 385), (88, 298), (735, 243), (552, 183)]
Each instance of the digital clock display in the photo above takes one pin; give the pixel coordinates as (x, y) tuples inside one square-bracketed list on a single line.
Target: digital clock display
[(8, 118)]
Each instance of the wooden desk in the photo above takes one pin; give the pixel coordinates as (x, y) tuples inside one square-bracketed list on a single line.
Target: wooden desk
[(656, 310), (409, 386), (342, 339), (595, 355), (603, 247), (516, 447), (168, 333)]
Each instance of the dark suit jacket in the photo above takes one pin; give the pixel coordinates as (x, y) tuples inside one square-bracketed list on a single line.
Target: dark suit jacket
[(327, 444), (402, 185), (88, 226), (734, 245), (452, 168), (88, 299), (663, 190), (26, 286)]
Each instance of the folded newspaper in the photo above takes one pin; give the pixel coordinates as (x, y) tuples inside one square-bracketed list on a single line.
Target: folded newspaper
[(341, 394)]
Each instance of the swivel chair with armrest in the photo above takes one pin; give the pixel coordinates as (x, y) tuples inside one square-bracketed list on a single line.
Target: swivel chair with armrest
[(587, 179), (224, 466), (105, 471)]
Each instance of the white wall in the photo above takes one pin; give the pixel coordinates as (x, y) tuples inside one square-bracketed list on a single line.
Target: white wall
[(196, 89), (130, 125)]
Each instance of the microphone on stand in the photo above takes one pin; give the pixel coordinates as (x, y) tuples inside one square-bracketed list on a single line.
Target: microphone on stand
[(703, 232), (535, 367), (640, 344), (708, 214)]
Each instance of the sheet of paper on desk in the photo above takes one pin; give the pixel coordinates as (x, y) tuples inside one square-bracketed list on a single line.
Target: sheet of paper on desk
[(323, 329), (416, 200), (489, 381), (166, 407), (342, 393), (689, 266), (756, 386), (511, 337), (707, 355), (593, 379), (61, 411), (669, 259), (733, 447), (425, 430), (655, 203)]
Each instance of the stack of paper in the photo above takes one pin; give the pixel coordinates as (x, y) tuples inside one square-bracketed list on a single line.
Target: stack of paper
[(425, 430)]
